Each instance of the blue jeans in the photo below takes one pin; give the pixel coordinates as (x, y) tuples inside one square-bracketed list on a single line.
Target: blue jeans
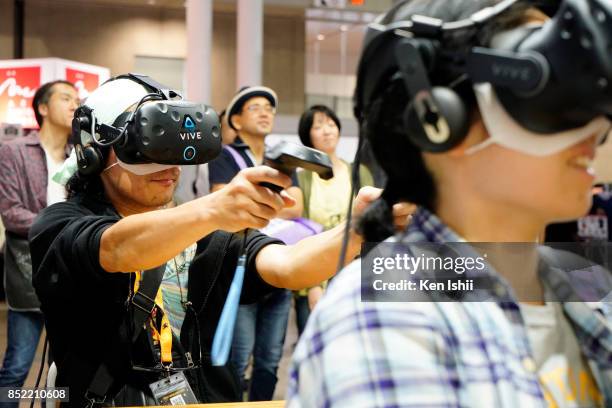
[(260, 329), (23, 335), (302, 312)]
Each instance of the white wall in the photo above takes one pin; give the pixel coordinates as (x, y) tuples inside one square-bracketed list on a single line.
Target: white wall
[(114, 35)]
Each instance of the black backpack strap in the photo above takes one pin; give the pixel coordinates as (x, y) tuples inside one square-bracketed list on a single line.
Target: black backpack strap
[(142, 304), (143, 301)]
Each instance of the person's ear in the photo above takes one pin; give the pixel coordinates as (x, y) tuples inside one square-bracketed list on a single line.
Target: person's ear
[(237, 121), (43, 110)]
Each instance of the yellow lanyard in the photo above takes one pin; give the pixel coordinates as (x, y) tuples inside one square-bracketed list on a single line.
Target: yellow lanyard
[(164, 335)]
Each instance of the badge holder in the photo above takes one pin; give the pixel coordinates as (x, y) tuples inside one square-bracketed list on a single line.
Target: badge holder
[(173, 390)]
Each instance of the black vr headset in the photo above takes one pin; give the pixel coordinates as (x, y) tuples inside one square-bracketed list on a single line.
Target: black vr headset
[(161, 129), (549, 77)]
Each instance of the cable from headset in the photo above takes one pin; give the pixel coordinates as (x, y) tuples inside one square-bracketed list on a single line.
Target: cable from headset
[(355, 185), (121, 134)]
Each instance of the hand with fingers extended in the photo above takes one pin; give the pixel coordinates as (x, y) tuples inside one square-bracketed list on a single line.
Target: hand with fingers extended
[(244, 203)]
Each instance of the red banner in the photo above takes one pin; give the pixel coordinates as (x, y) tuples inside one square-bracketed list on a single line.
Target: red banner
[(17, 88), (85, 82)]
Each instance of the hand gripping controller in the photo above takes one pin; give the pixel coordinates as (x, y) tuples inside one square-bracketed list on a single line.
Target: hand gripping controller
[(286, 157)]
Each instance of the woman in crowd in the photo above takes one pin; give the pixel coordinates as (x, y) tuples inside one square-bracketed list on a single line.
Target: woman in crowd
[(325, 201)]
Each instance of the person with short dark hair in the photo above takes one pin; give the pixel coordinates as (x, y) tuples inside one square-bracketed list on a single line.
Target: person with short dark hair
[(316, 115), (486, 163), (43, 96), (26, 168)]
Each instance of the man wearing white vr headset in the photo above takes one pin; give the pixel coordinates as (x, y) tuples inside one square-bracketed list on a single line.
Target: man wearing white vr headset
[(487, 115), (135, 295)]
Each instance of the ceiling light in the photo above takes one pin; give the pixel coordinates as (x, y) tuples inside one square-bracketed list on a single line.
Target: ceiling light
[(320, 37)]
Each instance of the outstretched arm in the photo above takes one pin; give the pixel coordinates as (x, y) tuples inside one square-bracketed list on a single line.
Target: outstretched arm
[(315, 258), (306, 263), (163, 234)]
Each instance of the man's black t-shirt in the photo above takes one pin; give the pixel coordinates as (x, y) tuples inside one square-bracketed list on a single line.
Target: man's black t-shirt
[(84, 305)]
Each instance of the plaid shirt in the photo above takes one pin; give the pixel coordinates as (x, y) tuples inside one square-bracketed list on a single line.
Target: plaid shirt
[(432, 354), (23, 183)]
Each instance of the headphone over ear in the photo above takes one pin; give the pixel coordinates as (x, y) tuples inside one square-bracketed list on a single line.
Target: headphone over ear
[(89, 158), (439, 126), (436, 118)]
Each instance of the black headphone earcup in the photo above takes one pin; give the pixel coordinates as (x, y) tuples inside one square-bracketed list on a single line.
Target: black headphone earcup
[(442, 125), (89, 160)]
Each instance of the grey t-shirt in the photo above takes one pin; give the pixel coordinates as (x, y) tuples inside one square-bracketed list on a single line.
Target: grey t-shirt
[(564, 374)]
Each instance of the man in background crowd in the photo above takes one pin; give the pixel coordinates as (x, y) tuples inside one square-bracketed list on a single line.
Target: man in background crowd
[(251, 114), (27, 165)]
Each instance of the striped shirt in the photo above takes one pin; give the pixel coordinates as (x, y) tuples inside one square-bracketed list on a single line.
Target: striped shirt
[(177, 270), (432, 354)]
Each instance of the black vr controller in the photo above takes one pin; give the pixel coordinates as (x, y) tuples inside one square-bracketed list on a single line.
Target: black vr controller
[(286, 157)]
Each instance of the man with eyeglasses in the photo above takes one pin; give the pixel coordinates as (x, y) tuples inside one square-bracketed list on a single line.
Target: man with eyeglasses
[(251, 114)]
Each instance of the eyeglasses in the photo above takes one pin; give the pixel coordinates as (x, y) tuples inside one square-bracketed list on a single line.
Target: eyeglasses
[(259, 108)]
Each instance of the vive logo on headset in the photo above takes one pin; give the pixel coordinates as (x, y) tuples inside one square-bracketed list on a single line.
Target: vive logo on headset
[(190, 127), (511, 72)]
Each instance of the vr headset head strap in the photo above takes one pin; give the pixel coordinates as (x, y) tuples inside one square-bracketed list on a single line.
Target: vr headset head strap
[(153, 85)]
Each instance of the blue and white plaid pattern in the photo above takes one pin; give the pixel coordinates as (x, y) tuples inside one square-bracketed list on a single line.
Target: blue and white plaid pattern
[(428, 354)]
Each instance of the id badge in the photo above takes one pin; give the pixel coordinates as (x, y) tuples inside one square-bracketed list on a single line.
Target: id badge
[(173, 390)]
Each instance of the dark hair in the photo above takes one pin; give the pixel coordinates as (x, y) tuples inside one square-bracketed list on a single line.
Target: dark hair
[(308, 117), (79, 184), (383, 125), (90, 185), (42, 96)]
